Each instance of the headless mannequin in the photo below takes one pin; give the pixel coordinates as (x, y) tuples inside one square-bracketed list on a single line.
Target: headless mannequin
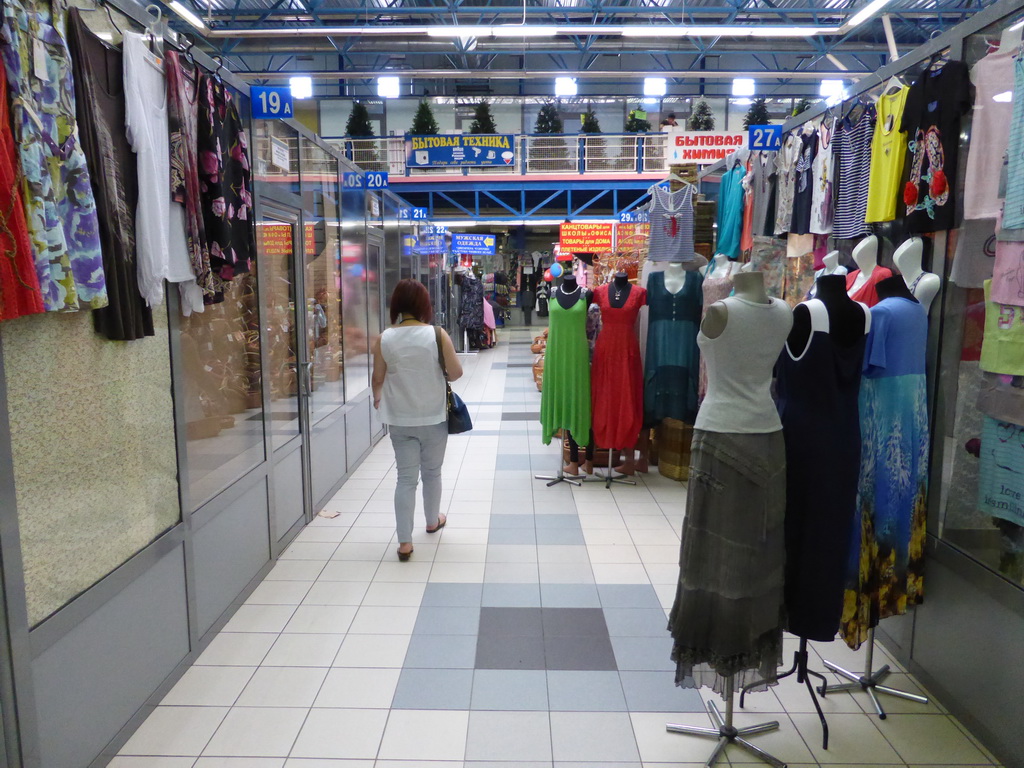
[(923, 285), (846, 317), (866, 257), (618, 294), (675, 277), (894, 287), (567, 294), (748, 286), (832, 266), (723, 268)]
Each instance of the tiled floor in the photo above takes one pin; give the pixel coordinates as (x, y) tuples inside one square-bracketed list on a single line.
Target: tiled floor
[(529, 632)]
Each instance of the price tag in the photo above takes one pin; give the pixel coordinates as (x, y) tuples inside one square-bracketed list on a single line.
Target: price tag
[(271, 103), (376, 180), (634, 217), (764, 137), (353, 180)]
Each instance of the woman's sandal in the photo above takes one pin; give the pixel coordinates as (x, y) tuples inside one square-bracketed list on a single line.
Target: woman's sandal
[(404, 556), (441, 523)]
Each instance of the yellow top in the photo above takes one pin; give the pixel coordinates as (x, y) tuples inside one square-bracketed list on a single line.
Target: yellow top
[(888, 148)]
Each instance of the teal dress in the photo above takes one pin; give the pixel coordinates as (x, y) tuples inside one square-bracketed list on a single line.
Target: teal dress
[(565, 390), (672, 363)]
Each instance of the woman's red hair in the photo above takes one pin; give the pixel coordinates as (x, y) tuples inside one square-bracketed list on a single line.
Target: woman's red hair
[(411, 298)]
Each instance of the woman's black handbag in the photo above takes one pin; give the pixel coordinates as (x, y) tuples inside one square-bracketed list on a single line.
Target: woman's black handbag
[(458, 414)]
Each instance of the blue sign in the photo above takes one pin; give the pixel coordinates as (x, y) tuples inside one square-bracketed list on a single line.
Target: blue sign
[(367, 180), (461, 150), (764, 137), (271, 103), (474, 244), (434, 229), (412, 214), (634, 217), (429, 245)]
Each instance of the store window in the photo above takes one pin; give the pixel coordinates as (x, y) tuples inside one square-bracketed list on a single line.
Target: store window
[(354, 297), (981, 501)]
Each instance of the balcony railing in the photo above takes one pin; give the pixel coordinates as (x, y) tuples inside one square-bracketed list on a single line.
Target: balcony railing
[(625, 153)]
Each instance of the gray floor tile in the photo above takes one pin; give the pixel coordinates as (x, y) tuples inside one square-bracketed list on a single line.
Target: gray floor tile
[(574, 621), (504, 689), (566, 573), (509, 461), (441, 652), (636, 622), (559, 535), (447, 620), (509, 520), (644, 653), (569, 596), (603, 737), (439, 593), (551, 504), (657, 692), (590, 691), (511, 596), (579, 652), (499, 652), (510, 622), (512, 736), (520, 416), (560, 521), (628, 596), (512, 573), (523, 536), (434, 689)]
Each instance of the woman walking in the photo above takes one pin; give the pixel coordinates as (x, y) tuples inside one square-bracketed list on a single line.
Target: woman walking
[(409, 392)]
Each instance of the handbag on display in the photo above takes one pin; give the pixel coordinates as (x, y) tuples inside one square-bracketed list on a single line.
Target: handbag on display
[(458, 414)]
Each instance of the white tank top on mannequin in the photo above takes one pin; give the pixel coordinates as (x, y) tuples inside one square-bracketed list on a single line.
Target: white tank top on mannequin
[(740, 363), (414, 392)]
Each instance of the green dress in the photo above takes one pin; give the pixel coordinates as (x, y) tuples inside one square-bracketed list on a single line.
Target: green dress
[(565, 392)]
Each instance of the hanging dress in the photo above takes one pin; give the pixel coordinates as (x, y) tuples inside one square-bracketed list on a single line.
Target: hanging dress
[(565, 391), (853, 166), (785, 180), (100, 105), (730, 207), (19, 283), (892, 500), (671, 225), (817, 396), (616, 378), (714, 289), (867, 293), (60, 210), (672, 362), (823, 179)]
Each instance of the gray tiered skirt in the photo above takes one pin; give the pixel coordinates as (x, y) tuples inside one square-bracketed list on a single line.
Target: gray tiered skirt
[(729, 610)]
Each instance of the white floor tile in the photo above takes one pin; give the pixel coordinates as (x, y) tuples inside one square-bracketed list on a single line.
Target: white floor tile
[(298, 650), (175, 731), (283, 687), (377, 620), (240, 762), (373, 651), (425, 735), (318, 619), (209, 687), (152, 762), (336, 593), (358, 688), (395, 594), (341, 733), (260, 618), (930, 739), (295, 570), (279, 593), (237, 649), (256, 732)]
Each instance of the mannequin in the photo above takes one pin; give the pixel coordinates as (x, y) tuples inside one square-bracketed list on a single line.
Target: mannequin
[(674, 277), (726, 620), (845, 316), (832, 265), (717, 269), (860, 284), (621, 287), (923, 285), (570, 291), (894, 287)]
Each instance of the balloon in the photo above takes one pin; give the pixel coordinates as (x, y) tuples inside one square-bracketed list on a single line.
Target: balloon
[(556, 270), (547, 275)]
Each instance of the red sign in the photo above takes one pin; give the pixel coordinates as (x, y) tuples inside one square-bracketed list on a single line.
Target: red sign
[(631, 237), (702, 147), (276, 239), (585, 237)]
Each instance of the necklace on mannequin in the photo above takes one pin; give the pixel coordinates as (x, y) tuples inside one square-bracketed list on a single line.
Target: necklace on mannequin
[(569, 293), (618, 294)]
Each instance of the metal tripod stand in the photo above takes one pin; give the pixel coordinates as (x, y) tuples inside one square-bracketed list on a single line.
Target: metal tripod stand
[(727, 733), (560, 476), (610, 477), (803, 675), (870, 681)]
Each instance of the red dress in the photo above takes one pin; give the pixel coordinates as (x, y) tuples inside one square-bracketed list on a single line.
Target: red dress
[(19, 283), (616, 375)]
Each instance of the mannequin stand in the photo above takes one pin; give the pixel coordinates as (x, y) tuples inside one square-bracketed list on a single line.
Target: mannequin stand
[(560, 477), (727, 733), (803, 675), (870, 681), (611, 477)]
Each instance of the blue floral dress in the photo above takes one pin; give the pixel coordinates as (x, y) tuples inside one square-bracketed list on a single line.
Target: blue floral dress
[(884, 574), (59, 205)]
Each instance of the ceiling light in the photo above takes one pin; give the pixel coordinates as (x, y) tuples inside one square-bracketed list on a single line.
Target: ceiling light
[(829, 88), (742, 102), (301, 87), (1005, 97), (866, 13), (388, 87), (655, 86), (458, 31), (513, 30), (188, 15), (682, 30), (565, 86), (743, 86)]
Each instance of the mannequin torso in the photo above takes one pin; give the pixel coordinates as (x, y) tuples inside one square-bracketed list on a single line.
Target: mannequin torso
[(866, 257), (618, 292), (846, 318), (570, 291), (750, 287), (675, 277), (923, 285)]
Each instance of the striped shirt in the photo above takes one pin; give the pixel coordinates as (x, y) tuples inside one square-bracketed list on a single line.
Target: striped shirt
[(671, 218), (853, 161), (1013, 212)]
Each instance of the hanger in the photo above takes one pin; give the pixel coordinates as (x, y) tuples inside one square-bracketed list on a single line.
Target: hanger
[(220, 66), (110, 16), (894, 85), (190, 43)]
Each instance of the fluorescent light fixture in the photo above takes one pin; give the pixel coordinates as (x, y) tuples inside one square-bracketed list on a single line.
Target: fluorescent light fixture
[(188, 15), (655, 86), (866, 13), (301, 86), (751, 30), (517, 30), (830, 88), (743, 102), (565, 86), (649, 101), (1016, 26), (388, 87), (743, 86), (458, 30), (513, 30)]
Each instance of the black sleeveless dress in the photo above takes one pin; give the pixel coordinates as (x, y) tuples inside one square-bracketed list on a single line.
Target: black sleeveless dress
[(817, 398)]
